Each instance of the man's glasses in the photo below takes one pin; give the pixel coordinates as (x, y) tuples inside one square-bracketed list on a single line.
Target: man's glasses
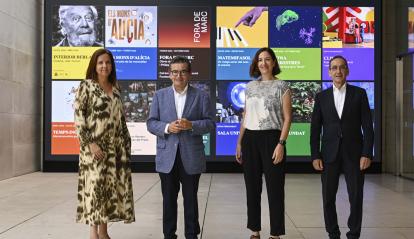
[(341, 68), (176, 73)]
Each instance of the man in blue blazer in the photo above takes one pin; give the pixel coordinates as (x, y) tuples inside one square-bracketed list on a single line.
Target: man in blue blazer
[(179, 116), (342, 117)]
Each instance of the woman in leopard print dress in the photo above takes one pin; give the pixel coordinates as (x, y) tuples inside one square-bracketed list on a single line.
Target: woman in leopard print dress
[(105, 186)]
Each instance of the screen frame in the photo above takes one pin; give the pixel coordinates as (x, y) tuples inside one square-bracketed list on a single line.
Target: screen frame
[(69, 162)]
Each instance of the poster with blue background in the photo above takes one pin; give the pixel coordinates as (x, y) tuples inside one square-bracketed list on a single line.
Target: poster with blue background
[(135, 63), (295, 27)]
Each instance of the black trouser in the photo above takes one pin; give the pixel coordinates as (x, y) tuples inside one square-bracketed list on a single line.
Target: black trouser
[(257, 150), (170, 186), (354, 178)]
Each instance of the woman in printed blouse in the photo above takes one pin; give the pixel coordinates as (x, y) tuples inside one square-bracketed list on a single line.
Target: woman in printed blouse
[(261, 143), (105, 186)]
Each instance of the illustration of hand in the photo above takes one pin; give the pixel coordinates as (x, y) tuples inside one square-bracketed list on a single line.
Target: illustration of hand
[(250, 18)]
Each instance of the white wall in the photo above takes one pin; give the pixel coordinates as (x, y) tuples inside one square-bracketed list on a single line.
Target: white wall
[(21, 86)]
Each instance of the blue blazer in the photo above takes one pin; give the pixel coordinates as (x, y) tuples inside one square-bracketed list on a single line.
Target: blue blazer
[(198, 110)]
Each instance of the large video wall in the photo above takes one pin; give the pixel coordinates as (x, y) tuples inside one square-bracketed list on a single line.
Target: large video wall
[(220, 41)]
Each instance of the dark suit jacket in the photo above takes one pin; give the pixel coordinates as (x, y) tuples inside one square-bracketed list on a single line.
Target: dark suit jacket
[(354, 130), (198, 110)]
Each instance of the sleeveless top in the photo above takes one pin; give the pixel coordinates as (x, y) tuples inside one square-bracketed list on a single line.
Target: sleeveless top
[(264, 108)]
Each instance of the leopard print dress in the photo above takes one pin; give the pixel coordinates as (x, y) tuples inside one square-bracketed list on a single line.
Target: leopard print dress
[(105, 186)]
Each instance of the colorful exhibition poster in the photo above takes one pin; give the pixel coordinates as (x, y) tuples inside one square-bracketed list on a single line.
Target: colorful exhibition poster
[(226, 138), (137, 98), (242, 27), (234, 63), (71, 62), (299, 63), (63, 135), (411, 28), (348, 27), (63, 98), (64, 140), (142, 141), (131, 26), (298, 140), (135, 63), (184, 27), (303, 99), (360, 62), (230, 101), (199, 58), (297, 27)]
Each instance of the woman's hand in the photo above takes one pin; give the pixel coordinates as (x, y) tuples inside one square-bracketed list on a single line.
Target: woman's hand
[(278, 154), (238, 154), (96, 151)]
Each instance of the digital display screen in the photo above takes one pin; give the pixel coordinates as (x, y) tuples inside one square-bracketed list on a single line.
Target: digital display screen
[(145, 38)]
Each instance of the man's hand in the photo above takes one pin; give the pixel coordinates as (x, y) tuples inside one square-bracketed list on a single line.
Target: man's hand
[(185, 124), (364, 163), (174, 127), (317, 164)]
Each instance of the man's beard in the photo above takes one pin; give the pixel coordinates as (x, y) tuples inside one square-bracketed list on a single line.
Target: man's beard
[(81, 40)]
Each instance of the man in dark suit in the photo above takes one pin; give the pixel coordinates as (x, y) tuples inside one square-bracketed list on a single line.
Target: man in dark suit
[(339, 114), (179, 116)]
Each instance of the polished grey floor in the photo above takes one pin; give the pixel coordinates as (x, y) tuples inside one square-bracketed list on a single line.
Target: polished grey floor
[(42, 205)]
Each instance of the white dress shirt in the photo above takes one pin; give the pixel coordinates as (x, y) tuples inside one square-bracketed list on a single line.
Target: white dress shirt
[(339, 98), (179, 100)]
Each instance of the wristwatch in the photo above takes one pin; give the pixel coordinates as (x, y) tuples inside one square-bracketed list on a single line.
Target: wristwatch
[(282, 142)]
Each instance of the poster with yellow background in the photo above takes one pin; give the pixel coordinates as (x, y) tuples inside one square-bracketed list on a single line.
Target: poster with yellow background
[(251, 32), (71, 62)]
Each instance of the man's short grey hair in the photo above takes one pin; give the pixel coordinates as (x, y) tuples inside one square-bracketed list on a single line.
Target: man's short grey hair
[(64, 9)]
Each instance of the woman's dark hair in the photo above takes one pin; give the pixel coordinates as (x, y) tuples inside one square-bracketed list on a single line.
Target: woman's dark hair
[(254, 70), (91, 71)]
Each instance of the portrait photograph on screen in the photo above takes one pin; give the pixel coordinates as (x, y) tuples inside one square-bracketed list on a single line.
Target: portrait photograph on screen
[(77, 32), (77, 26)]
